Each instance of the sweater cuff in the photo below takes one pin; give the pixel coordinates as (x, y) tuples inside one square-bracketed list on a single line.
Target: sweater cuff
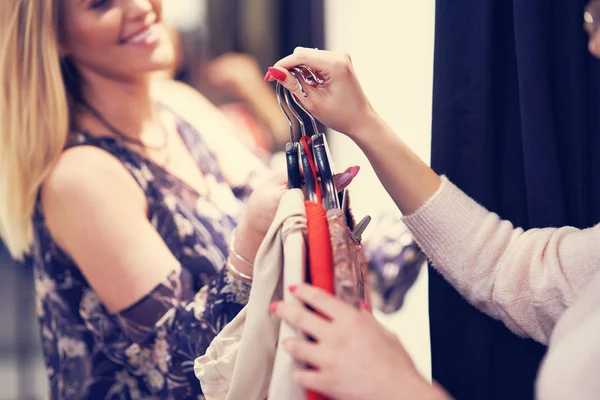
[(444, 222)]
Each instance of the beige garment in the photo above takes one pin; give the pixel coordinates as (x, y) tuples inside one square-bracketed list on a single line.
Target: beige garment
[(542, 283), (241, 360)]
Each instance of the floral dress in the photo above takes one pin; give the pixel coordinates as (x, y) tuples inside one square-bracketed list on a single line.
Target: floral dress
[(148, 350)]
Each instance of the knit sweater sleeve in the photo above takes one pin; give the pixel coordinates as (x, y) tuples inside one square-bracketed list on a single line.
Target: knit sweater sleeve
[(524, 278)]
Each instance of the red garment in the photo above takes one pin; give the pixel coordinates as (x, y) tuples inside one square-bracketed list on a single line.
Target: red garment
[(320, 257), (307, 143)]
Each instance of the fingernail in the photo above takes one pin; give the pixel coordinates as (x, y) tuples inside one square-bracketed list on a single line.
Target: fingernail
[(268, 77), (354, 171), (293, 288), (344, 178), (277, 74), (273, 308), (365, 306)]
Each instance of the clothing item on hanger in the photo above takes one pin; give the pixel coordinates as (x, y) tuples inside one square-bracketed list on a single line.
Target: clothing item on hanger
[(348, 267), (320, 257), (239, 363)]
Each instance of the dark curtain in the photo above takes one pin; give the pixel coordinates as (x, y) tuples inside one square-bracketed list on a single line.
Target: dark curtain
[(301, 23), (515, 125), (268, 29)]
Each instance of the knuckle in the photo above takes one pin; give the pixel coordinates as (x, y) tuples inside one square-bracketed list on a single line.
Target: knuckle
[(292, 348), (296, 317)]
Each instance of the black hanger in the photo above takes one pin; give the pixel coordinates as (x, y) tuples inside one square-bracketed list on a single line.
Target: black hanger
[(322, 155), (304, 153)]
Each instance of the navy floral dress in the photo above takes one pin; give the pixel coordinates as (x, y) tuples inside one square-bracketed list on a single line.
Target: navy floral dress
[(148, 350)]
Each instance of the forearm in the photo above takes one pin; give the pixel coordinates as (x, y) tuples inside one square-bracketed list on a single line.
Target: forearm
[(408, 180), (244, 248)]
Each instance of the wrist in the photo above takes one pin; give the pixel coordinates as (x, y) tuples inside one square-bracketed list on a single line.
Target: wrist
[(246, 241), (366, 127)]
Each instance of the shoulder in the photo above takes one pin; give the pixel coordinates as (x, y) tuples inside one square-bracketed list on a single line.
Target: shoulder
[(179, 95), (191, 105), (87, 181)]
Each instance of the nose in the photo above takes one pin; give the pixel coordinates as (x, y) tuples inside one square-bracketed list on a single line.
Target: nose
[(137, 8)]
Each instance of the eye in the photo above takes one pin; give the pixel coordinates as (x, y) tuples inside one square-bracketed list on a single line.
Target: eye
[(100, 4)]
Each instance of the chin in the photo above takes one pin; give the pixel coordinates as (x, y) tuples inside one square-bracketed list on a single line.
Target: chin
[(160, 59)]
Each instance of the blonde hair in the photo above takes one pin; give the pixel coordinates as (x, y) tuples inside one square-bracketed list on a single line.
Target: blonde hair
[(34, 114)]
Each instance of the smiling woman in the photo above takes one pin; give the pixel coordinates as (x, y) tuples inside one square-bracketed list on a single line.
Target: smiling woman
[(124, 211)]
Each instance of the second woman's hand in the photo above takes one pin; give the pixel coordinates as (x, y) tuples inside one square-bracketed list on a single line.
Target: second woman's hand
[(341, 104), (355, 358)]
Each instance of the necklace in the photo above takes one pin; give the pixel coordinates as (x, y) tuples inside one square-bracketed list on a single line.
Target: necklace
[(162, 148)]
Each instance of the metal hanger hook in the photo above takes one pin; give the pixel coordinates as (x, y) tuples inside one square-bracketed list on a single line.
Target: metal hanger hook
[(278, 91), (294, 112), (312, 73), (312, 119)]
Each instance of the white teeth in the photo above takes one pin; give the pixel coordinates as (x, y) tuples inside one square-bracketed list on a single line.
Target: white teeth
[(140, 37)]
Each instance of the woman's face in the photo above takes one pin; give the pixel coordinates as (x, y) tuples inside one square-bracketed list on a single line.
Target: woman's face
[(119, 39)]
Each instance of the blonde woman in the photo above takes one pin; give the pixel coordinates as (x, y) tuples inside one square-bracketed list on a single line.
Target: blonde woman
[(123, 196)]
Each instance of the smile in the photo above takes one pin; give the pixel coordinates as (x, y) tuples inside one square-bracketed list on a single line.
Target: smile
[(146, 36)]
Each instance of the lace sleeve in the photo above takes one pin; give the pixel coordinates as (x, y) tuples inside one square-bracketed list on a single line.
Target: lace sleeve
[(159, 337)]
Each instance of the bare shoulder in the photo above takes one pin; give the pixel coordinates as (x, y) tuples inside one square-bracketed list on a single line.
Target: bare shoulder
[(85, 181), (178, 95)]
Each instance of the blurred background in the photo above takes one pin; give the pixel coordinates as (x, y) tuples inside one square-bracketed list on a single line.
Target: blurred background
[(224, 45)]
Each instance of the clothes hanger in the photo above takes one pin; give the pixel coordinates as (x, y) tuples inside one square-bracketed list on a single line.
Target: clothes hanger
[(291, 148), (314, 80), (321, 154), (313, 191)]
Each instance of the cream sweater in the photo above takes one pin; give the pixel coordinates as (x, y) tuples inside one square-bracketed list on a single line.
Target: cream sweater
[(530, 280)]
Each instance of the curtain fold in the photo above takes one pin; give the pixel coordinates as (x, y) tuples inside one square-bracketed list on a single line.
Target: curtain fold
[(515, 125)]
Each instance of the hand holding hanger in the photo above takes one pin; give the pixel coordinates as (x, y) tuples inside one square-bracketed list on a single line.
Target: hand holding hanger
[(341, 104)]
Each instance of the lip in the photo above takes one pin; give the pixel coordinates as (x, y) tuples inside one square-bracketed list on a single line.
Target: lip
[(134, 34)]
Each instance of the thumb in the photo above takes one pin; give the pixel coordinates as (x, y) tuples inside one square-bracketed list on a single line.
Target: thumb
[(287, 80)]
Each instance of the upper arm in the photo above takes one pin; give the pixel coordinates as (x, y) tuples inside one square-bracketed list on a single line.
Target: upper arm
[(97, 214)]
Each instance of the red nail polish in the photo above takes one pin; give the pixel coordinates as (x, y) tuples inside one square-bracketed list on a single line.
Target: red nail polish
[(268, 77), (354, 171), (293, 288), (277, 74), (366, 306), (273, 307)]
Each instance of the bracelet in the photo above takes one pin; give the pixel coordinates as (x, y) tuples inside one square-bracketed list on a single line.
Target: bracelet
[(238, 255), (238, 273)]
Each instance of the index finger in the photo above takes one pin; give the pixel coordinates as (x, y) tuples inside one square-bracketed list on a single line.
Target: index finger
[(321, 301)]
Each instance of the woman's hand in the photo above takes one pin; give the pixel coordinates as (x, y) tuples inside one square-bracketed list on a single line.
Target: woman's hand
[(262, 207), (354, 356), (340, 102)]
